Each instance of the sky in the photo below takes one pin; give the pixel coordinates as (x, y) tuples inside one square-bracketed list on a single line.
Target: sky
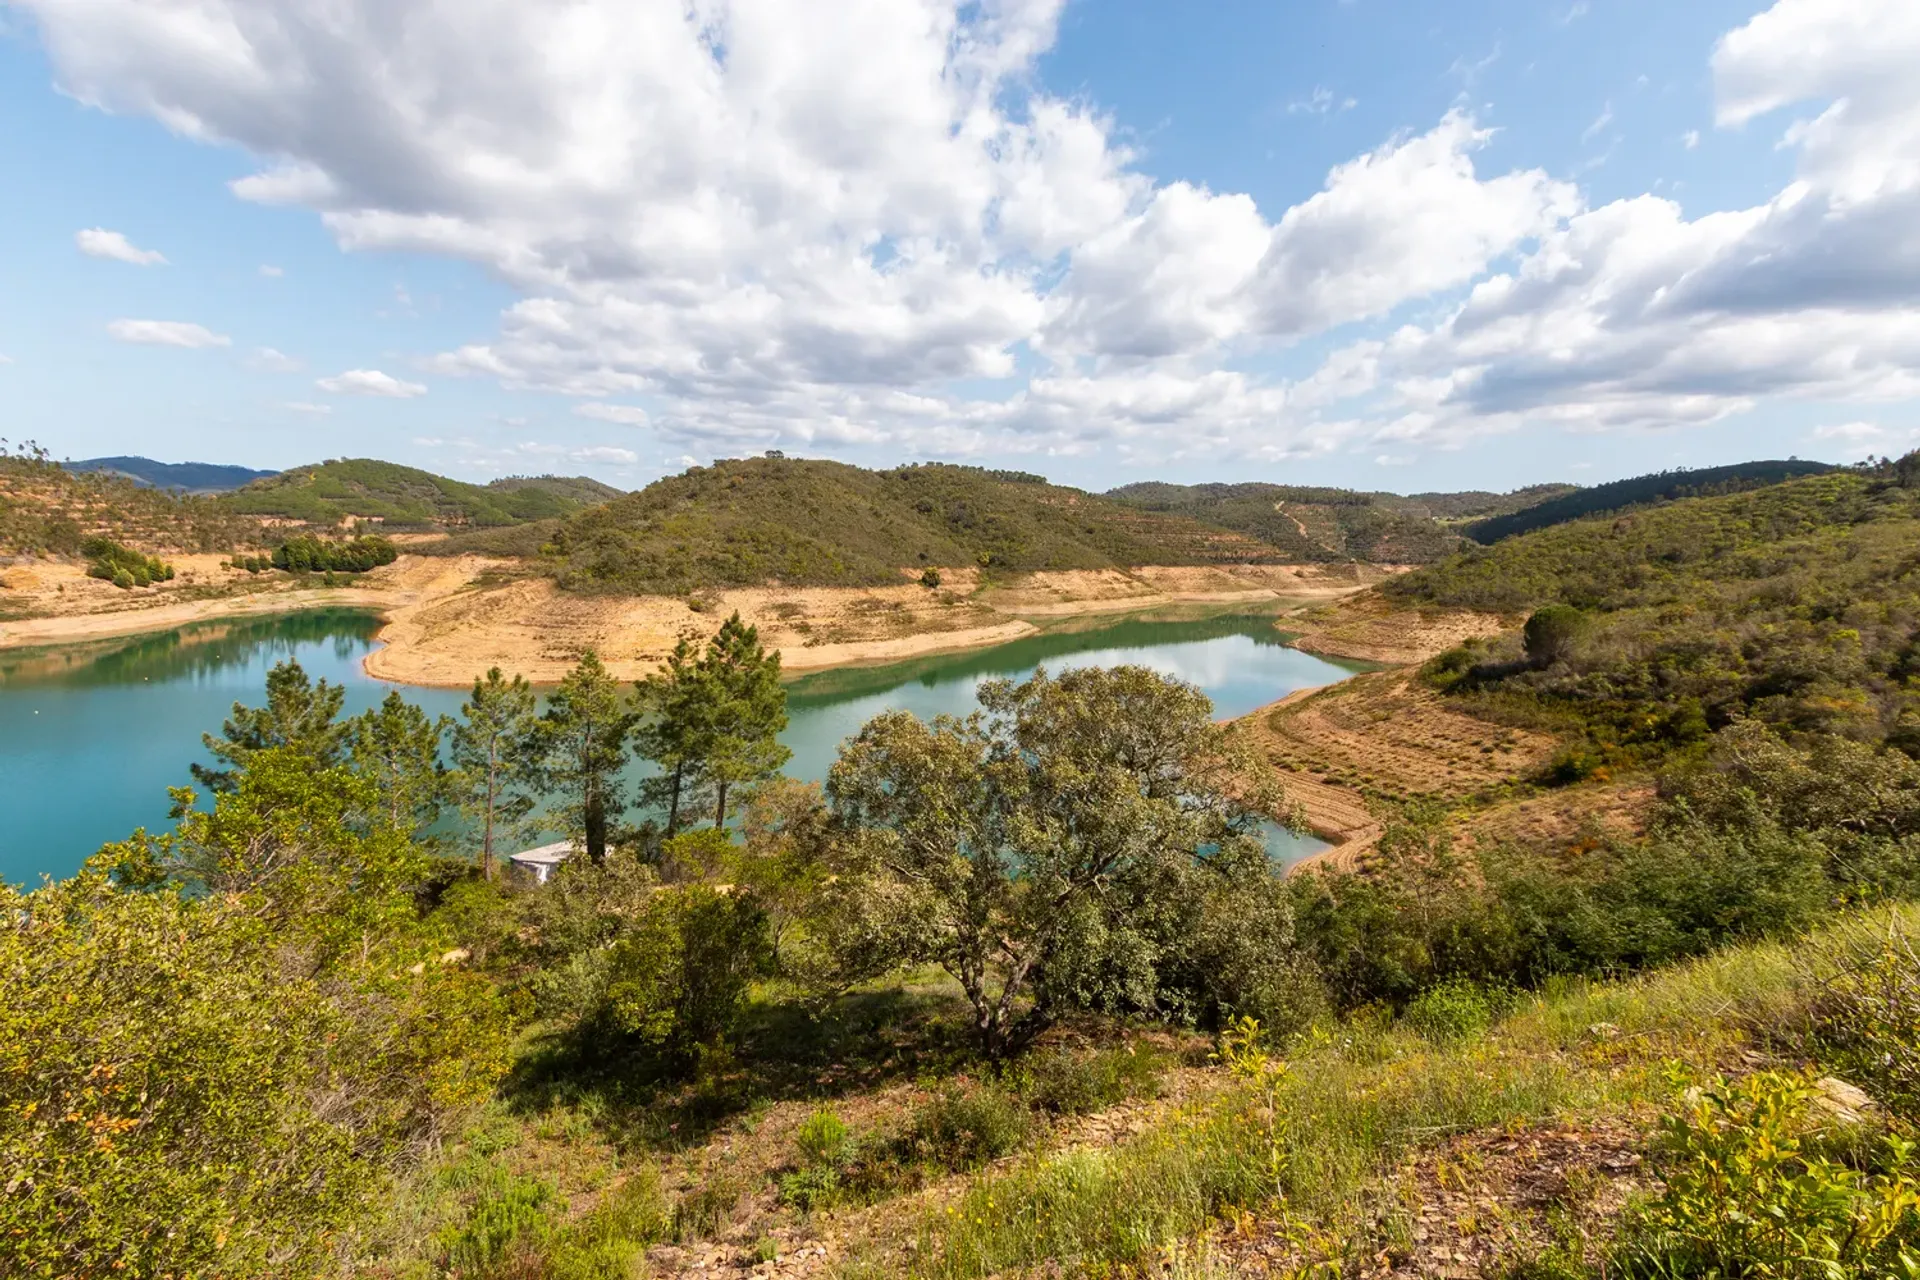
[(1385, 244)]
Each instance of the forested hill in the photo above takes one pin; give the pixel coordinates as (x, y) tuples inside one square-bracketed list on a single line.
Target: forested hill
[(1793, 604), (1664, 486), (184, 477), (745, 521), (1321, 524), (330, 492)]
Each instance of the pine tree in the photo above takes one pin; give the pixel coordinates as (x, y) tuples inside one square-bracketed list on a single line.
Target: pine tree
[(747, 709), (398, 748), (676, 702), (584, 738), (490, 751), (299, 714)]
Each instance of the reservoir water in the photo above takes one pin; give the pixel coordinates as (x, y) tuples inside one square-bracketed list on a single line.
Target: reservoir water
[(92, 736)]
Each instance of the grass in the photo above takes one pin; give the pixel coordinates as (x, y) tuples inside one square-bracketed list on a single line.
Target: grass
[(1358, 1097)]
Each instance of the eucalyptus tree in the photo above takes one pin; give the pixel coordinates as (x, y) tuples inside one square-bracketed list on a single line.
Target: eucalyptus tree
[(492, 756)]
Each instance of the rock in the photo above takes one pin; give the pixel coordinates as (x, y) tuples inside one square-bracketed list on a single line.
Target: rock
[(1842, 1103)]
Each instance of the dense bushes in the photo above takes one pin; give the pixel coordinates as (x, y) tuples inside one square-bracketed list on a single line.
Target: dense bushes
[(123, 566), (307, 554)]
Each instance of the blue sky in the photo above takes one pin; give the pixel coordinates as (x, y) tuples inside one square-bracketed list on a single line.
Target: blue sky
[(1387, 245)]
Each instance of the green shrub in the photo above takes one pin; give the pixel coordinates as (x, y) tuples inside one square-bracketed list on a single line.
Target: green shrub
[(1866, 1023), (966, 1126), (123, 566), (678, 977), (308, 554), (929, 578), (1069, 1084), (1553, 633), (823, 1138), (1749, 1191), (1457, 1009), (812, 1188)]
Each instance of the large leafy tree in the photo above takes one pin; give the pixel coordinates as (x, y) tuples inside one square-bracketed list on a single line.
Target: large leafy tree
[(397, 746), (583, 737), (1054, 849), (299, 714), (491, 756), (746, 711)]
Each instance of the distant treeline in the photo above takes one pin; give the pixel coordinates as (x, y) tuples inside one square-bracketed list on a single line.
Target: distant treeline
[(1663, 486)]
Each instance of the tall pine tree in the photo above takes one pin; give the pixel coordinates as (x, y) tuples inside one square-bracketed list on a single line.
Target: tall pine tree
[(398, 747), (584, 739), (747, 709), (491, 745), (675, 733), (299, 715)]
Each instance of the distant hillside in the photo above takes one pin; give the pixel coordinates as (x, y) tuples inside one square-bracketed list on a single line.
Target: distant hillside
[(740, 522), (184, 477), (329, 492), (1307, 523), (46, 509), (1663, 486), (1480, 504)]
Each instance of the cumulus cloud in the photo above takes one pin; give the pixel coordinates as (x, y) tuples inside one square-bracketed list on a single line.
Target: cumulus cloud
[(370, 382), (98, 242), (865, 225), (167, 333)]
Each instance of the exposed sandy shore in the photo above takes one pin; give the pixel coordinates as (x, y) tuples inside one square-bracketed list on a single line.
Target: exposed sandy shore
[(1369, 628), (449, 619)]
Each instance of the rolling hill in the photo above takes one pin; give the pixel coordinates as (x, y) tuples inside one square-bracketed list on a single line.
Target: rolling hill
[(1663, 486), (1312, 524), (46, 509), (746, 521), (332, 492), (182, 477)]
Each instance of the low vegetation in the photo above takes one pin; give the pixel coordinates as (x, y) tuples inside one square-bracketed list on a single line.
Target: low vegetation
[(46, 510), (307, 554), (342, 490), (1618, 495), (123, 566)]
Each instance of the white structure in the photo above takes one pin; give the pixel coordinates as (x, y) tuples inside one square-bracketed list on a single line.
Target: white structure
[(539, 863)]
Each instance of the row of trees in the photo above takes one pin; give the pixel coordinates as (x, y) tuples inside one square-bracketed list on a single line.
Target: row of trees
[(308, 554), (122, 565), (709, 720)]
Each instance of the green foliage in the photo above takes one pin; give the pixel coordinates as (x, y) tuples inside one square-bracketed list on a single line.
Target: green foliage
[(965, 1125), (307, 554), (823, 1138), (1748, 1191), (1790, 604), (123, 566), (398, 748), (1455, 1009), (1054, 852), (679, 974), (1079, 1084), (581, 744), (515, 1227), (742, 522), (1552, 633), (1663, 486), (299, 715), (493, 744), (46, 509), (930, 578), (332, 492), (1867, 1022)]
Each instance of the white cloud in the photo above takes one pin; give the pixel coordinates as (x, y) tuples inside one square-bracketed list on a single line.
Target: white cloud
[(98, 242), (1600, 122), (6, 359), (271, 272), (304, 406), (1320, 102), (370, 382), (866, 225), (167, 333), (625, 414), (267, 360)]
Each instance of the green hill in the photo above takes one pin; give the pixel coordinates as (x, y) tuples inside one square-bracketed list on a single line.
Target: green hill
[(331, 492), (1312, 524), (825, 523), (45, 509), (1663, 486), (1794, 604), (1479, 503)]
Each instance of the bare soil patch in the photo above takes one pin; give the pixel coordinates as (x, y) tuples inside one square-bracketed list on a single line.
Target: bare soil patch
[(1371, 628)]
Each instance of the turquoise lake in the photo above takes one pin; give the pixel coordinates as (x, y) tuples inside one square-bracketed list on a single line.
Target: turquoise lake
[(92, 736)]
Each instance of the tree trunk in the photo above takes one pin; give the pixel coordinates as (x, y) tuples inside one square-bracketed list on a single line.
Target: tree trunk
[(720, 810), (596, 823), (673, 801)]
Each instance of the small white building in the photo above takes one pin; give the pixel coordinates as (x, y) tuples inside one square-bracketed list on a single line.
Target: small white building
[(539, 863)]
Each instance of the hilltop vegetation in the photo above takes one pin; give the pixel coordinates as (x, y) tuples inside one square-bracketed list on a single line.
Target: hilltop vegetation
[(342, 489), (1311, 524), (745, 521), (1795, 605), (1664, 486), (184, 477), (46, 509)]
